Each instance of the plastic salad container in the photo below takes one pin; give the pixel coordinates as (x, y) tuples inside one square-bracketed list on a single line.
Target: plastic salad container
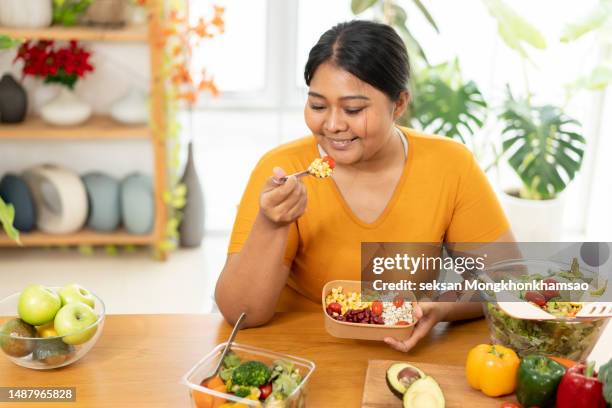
[(204, 397), (566, 336)]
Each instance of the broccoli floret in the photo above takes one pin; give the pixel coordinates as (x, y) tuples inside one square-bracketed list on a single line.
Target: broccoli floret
[(231, 360), (251, 373), (241, 391)]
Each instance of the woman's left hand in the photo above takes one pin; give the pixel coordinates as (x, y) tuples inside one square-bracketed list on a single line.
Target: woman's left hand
[(428, 315)]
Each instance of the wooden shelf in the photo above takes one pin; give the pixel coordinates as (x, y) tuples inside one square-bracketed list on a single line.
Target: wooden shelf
[(82, 33), (98, 126), (83, 237)]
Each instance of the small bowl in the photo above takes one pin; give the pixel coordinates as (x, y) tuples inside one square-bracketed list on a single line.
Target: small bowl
[(199, 394), (41, 349), (361, 331)]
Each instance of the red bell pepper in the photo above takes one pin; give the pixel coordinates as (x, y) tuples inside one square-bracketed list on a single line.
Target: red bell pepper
[(580, 388)]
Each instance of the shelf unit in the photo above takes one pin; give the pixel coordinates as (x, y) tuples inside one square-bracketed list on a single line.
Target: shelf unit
[(133, 33), (98, 126), (103, 127)]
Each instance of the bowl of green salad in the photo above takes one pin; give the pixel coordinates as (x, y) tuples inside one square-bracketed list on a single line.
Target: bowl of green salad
[(249, 377), (565, 336)]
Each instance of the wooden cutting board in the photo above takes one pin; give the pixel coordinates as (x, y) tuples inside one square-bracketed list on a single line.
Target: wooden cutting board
[(457, 392)]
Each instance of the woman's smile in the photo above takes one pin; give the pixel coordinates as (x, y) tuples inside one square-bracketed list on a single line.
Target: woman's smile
[(341, 143)]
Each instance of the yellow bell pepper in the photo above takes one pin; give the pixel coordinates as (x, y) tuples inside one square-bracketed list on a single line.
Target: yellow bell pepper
[(492, 369)]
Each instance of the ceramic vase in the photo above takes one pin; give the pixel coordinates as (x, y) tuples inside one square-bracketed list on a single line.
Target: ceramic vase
[(104, 203), (14, 190), (106, 13), (13, 100), (26, 13), (137, 203), (66, 109), (131, 109), (191, 229)]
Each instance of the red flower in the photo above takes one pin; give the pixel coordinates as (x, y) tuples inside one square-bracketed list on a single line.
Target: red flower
[(64, 65)]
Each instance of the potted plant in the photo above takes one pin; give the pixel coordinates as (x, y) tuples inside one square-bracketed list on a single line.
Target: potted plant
[(542, 144), (545, 149), (442, 101), (63, 66)]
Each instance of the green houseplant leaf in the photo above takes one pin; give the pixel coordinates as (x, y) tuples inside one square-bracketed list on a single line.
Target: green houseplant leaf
[(359, 6), (514, 29), (7, 42), (426, 14), (543, 145), (445, 104), (595, 19), (7, 217)]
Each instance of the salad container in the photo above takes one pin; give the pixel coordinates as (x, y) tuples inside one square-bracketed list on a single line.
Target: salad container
[(362, 331), (200, 395), (565, 336)]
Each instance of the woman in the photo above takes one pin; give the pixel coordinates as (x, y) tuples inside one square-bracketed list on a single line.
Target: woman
[(389, 184)]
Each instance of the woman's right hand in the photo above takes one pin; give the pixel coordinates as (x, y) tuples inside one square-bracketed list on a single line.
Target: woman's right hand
[(285, 203)]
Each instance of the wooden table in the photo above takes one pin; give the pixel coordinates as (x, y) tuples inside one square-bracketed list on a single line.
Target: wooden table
[(140, 359)]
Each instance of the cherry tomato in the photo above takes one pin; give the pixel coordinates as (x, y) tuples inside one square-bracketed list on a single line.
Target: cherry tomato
[(549, 294), (377, 308), (265, 391), (330, 162), (398, 301), (509, 405), (535, 297), (402, 323), (335, 308)]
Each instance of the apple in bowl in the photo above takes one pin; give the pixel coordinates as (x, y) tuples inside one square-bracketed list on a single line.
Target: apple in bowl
[(48, 338)]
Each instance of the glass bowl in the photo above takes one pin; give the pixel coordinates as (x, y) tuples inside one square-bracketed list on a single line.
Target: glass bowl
[(568, 337), (44, 353), (201, 396)]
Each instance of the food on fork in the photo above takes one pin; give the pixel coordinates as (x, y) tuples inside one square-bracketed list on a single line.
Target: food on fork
[(322, 167)]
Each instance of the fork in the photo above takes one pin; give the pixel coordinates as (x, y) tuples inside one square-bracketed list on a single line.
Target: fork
[(283, 180), (227, 347)]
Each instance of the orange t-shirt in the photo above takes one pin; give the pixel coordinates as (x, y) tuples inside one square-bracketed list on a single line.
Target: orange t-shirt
[(442, 196)]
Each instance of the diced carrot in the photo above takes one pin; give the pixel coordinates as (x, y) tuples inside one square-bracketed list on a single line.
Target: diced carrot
[(215, 382), (202, 400), (218, 401)]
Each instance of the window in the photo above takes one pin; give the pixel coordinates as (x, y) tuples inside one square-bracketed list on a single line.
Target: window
[(237, 58)]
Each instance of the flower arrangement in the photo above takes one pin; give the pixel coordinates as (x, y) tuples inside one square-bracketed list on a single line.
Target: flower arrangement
[(179, 38), (64, 65)]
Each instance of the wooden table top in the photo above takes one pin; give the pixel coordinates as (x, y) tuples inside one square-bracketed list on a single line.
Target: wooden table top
[(140, 359)]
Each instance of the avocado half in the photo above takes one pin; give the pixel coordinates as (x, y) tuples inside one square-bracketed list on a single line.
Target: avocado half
[(400, 376), (424, 393)]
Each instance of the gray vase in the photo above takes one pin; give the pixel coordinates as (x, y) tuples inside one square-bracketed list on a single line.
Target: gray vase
[(191, 229), (13, 100), (137, 203), (104, 201)]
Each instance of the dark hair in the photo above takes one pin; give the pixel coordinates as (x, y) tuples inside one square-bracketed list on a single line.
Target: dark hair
[(372, 52)]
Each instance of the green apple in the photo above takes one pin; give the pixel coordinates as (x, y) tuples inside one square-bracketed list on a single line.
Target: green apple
[(38, 305), (11, 341), (72, 321), (76, 293)]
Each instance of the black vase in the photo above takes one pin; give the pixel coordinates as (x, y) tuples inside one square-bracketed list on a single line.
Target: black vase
[(191, 229), (14, 190), (13, 100)]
